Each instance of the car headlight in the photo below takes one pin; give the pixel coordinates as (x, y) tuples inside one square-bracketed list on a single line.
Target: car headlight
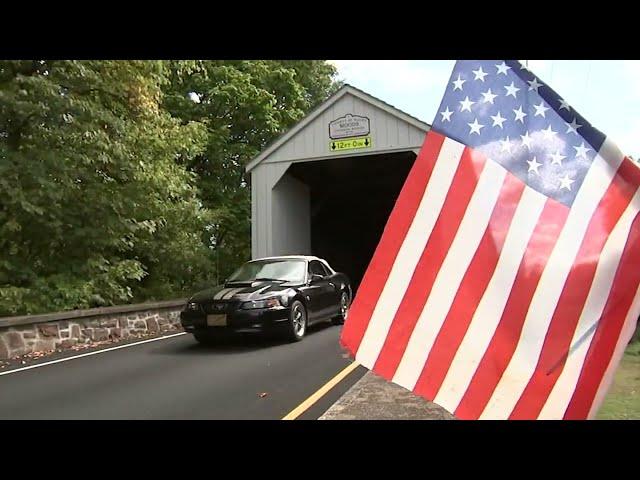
[(268, 303), (192, 306)]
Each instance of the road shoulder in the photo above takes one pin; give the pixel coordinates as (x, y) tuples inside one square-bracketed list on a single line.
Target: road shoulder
[(373, 398)]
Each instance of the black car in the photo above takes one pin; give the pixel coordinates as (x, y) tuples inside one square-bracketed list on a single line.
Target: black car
[(285, 294)]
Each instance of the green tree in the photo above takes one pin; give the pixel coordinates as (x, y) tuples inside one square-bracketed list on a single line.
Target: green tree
[(94, 207), (244, 105), (124, 180)]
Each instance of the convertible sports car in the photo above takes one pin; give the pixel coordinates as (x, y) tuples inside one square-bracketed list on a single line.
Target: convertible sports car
[(277, 293)]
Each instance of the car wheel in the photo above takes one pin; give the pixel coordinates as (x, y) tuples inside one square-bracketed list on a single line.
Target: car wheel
[(297, 321), (344, 309)]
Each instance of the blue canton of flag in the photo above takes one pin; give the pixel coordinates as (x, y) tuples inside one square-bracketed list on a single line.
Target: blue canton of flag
[(501, 109)]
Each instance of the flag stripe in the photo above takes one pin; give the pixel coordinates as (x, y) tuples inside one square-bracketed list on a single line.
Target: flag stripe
[(392, 238), (448, 279), (473, 286), (545, 299), (608, 331), (409, 254), (605, 291), (628, 329), (488, 315), (433, 255), (577, 296)]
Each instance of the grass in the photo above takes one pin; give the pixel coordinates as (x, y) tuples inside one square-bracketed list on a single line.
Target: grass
[(623, 400)]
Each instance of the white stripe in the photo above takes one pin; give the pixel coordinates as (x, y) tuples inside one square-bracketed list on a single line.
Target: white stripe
[(232, 293), (410, 252), (66, 359), (626, 333), (489, 312), (525, 358), (562, 391), (221, 293), (461, 252)]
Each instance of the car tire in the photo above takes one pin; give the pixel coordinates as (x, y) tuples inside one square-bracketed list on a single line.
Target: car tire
[(297, 325), (344, 309)]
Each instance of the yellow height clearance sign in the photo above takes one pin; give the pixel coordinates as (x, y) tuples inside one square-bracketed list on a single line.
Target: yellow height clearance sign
[(350, 143)]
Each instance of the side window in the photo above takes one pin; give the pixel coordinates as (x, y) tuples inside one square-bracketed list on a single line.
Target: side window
[(327, 272), (315, 268)]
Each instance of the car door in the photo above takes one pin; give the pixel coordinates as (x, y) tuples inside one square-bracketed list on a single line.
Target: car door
[(320, 291), (333, 297)]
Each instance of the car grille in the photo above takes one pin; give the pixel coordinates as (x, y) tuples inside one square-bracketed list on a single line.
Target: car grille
[(217, 307)]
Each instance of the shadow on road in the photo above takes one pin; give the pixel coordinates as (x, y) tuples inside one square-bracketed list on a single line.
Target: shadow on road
[(239, 342)]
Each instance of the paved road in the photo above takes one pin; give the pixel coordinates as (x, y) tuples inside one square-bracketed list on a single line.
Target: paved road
[(175, 378)]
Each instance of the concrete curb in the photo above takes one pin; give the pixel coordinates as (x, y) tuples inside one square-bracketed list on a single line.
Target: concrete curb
[(373, 398)]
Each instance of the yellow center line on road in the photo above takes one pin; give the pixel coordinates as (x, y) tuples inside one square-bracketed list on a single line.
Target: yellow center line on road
[(304, 406)]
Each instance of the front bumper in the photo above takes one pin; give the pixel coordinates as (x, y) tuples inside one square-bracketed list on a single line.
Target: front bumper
[(238, 320)]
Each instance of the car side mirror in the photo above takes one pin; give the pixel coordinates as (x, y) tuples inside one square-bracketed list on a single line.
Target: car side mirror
[(315, 277)]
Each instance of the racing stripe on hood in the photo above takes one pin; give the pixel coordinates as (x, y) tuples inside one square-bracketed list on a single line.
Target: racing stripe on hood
[(232, 292), (219, 295)]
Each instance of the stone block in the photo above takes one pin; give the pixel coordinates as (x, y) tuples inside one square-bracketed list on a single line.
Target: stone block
[(75, 331), (152, 325), (100, 334), (14, 340), (48, 329)]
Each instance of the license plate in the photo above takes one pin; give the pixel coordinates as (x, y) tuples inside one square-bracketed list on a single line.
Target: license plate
[(216, 320)]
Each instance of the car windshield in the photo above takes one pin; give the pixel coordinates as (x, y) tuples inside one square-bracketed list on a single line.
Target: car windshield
[(284, 270)]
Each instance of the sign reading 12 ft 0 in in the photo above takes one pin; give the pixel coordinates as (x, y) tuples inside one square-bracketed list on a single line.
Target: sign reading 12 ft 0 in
[(350, 144)]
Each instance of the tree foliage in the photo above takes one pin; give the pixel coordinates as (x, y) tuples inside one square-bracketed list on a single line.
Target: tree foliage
[(115, 185), (244, 105)]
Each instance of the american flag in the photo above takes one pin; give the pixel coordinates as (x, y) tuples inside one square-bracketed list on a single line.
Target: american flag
[(505, 284)]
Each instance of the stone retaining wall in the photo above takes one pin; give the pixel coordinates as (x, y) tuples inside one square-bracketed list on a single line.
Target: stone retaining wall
[(40, 333)]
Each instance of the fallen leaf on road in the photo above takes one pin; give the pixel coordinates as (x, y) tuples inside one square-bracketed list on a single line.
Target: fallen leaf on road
[(263, 394)]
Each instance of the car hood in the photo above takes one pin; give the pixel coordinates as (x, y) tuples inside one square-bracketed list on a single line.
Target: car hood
[(242, 291)]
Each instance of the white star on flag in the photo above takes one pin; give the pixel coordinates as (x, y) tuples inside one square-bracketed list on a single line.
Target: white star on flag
[(505, 145), (502, 68), (458, 83), (534, 85), (446, 115), (564, 105), (497, 120), (566, 182), (533, 165), (526, 139), (475, 127), (581, 151), (479, 74), (466, 104), (548, 133), (488, 96), (573, 126), (511, 90), (540, 109), (557, 158), (520, 114)]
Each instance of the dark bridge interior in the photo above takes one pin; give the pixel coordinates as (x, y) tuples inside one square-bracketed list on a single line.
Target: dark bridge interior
[(351, 199)]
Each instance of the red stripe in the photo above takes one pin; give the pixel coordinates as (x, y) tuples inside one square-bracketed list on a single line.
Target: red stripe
[(471, 290), (609, 327), (391, 240), (573, 298), (505, 338), (434, 253)]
